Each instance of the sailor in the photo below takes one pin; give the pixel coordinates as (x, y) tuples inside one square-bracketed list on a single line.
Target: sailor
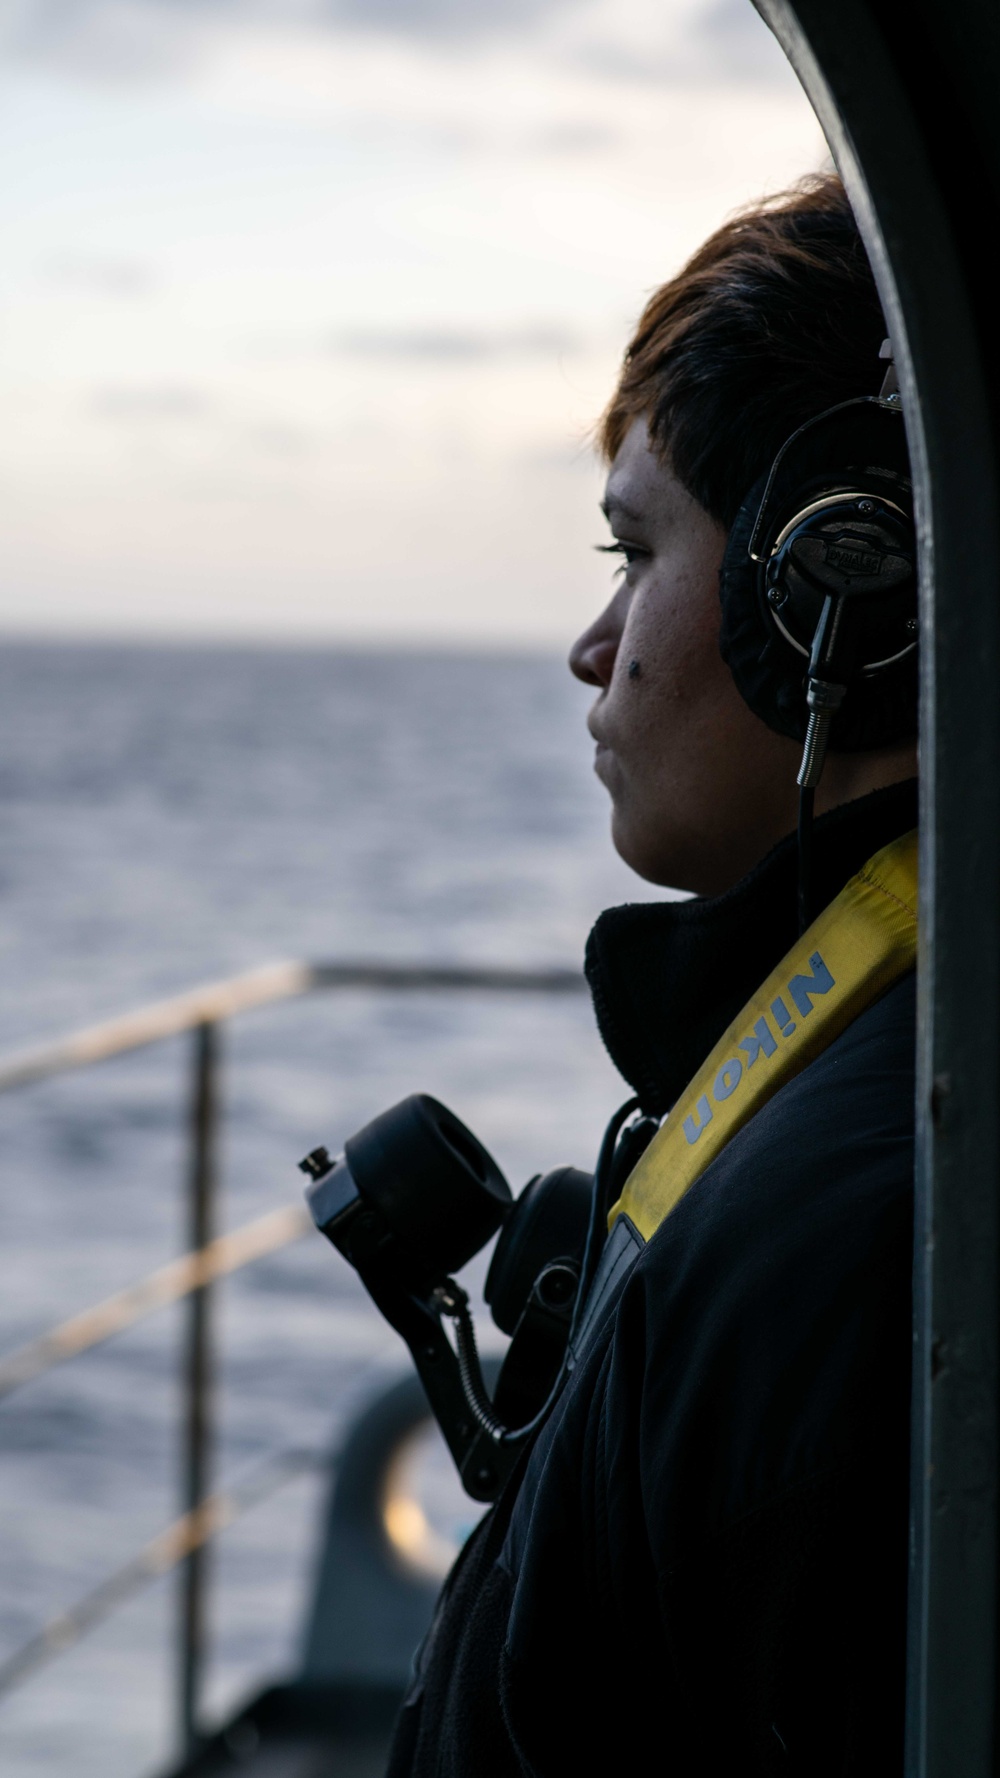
[(699, 1565)]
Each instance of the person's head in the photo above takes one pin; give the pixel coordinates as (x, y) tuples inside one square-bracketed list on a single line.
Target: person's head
[(774, 319)]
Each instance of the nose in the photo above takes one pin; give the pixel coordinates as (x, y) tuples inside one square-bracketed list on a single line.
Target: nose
[(593, 655)]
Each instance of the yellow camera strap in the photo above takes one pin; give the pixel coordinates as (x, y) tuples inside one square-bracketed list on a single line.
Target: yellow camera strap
[(858, 946)]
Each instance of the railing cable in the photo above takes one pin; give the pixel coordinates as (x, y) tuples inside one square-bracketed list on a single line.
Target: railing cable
[(261, 987), (200, 1012), (168, 1284), (188, 1533)]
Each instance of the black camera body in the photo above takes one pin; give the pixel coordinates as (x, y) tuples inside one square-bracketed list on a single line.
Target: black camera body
[(413, 1197)]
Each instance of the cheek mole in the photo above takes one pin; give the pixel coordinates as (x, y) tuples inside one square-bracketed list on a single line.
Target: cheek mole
[(634, 669)]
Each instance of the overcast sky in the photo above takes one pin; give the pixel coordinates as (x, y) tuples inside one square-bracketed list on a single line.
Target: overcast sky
[(308, 306)]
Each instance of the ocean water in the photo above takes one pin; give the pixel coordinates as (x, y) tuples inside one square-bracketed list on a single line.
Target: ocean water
[(175, 815)]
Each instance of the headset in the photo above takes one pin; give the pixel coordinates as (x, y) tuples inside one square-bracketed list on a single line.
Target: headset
[(819, 630), (819, 592)]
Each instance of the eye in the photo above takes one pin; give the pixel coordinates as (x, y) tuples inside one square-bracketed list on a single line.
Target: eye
[(630, 553)]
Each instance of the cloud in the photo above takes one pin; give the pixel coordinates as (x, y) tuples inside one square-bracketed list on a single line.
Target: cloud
[(731, 35), (124, 278), (618, 39), (438, 18), (114, 40), (574, 138), (201, 418), (713, 42), (448, 345), (156, 402), (156, 39), (277, 439)]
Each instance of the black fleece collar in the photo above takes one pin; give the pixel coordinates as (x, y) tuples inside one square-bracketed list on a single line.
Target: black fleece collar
[(668, 977)]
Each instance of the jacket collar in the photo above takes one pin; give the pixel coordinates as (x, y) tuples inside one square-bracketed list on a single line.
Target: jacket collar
[(668, 977)]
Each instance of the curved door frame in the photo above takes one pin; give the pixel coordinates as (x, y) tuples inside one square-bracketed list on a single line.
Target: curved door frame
[(909, 99)]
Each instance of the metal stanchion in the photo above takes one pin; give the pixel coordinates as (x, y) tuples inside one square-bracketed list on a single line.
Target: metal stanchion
[(190, 1276), (196, 1448)]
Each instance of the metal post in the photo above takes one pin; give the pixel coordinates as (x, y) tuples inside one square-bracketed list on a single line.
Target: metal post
[(196, 1448)]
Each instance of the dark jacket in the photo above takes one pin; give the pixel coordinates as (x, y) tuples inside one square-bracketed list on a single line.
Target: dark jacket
[(701, 1566)]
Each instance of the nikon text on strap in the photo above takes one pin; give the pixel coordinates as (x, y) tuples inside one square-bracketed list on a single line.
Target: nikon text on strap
[(857, 948)]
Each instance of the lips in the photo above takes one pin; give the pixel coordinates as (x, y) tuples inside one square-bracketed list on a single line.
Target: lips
[(602, 763), (602, 752)]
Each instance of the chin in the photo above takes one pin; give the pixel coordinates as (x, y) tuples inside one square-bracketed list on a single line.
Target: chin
[(673, 861), (654, 863)]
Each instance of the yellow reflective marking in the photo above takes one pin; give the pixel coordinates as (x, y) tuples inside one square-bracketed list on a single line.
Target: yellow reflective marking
[(856, 948)]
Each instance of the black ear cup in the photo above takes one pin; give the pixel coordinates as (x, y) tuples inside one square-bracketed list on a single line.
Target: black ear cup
[(547, 1223), (429, 1182), (833, 519)]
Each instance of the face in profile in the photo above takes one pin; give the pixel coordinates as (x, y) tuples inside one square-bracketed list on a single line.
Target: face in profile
[(700, 787)]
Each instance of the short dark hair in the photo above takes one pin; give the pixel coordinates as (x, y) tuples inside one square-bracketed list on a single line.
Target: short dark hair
[(774, 319)]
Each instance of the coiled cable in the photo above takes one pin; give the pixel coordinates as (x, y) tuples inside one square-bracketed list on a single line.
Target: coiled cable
[(453, 1302)]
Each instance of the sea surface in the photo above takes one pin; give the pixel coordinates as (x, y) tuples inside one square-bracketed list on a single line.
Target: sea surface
[(172, 816)]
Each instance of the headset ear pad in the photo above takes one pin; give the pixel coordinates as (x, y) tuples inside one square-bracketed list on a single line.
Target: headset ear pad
[(857, 448)]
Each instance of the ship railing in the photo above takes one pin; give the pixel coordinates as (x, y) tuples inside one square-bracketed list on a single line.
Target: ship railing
[(210, 1256)]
